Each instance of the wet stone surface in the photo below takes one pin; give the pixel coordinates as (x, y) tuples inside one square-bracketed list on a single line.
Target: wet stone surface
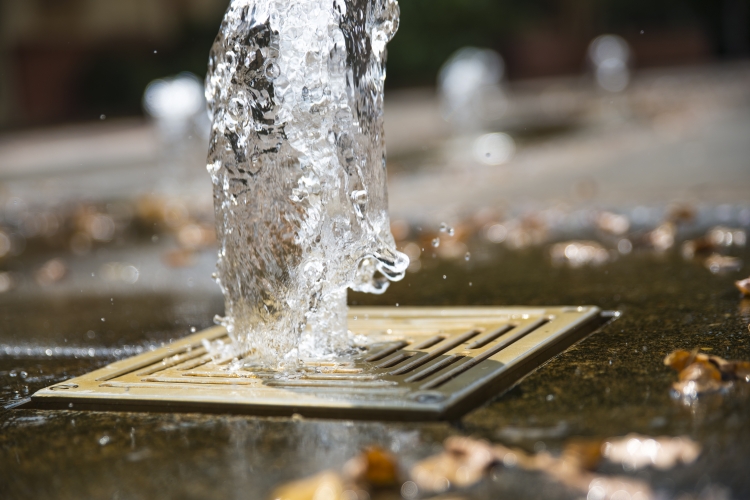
[(611, 384)]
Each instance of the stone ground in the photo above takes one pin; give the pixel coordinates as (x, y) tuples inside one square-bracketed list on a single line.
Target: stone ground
[(677, 136)]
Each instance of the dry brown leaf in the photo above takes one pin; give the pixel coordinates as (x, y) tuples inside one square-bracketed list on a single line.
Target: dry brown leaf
[(327, 485), (374, 467), (702, 373)]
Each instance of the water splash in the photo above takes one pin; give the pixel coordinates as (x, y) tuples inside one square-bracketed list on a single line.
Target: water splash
[(297, 159)]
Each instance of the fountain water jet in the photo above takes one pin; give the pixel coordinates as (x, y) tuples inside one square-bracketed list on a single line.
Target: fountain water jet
[(297, 159)]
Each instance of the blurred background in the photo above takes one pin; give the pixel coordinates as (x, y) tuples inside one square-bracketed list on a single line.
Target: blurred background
[(511, 123), (69, 61)]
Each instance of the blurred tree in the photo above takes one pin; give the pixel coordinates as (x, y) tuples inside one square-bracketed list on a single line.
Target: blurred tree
[(545, 37), (63, 60), (113, 80), (431, 30)]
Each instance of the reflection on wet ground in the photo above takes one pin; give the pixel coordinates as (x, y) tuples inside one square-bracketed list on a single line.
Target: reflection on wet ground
[(611, 384)]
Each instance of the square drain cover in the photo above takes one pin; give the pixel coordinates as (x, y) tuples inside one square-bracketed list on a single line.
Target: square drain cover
[(422, 363)]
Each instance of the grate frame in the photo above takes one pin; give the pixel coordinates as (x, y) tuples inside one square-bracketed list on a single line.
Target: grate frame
[(421, 364)]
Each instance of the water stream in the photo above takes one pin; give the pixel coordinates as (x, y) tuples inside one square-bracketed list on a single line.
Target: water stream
[(297, 159)]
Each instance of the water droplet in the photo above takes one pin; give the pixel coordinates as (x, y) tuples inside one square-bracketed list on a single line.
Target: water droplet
[(436, 242), (467, 257), (192, 329), (445, 277), (104, 440), (471, 284), (445, 228)]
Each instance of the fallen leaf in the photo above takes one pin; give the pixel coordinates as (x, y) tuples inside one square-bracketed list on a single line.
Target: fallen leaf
[(636, 452), (743, 286), (327, 485)]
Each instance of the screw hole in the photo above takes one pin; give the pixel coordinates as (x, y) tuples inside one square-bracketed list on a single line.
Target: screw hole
[(64, 387)]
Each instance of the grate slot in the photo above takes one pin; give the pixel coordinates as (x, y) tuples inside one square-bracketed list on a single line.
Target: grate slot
[(330, 383), (387, 351), (390, 363), (195, 363), (432, 341), (472, 362), (432, 369), (176, 359), (448, 346), (483, 341), (334, 376), (341, 370), (328, 364), (226, 375)]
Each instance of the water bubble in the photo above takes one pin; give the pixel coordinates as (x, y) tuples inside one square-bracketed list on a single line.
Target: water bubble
[(624, 246), (104, 440), (360, 202), (409, 490), (610, 55), (175, 98), (436, 242), (465, 82), (272, 71), (494, 149), (467, 257), (445, 277)]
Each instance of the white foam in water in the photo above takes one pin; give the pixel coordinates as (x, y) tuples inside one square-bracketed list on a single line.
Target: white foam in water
[(297, 159)]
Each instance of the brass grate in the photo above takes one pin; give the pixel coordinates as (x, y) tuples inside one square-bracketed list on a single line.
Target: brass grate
[(422, 363)]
